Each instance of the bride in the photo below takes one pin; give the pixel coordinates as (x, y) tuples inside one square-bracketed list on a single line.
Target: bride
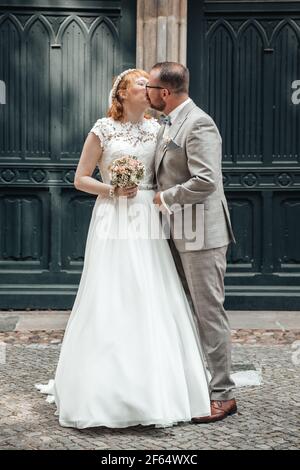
[(130, 353)]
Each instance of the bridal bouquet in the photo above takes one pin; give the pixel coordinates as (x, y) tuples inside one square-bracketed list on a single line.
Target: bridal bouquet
[(126, 171)]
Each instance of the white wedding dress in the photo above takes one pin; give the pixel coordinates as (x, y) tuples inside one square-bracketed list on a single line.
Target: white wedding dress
[(131, 353)]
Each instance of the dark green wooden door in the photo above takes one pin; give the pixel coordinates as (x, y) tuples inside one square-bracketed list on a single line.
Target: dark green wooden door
[(244, 59), (57, 60)]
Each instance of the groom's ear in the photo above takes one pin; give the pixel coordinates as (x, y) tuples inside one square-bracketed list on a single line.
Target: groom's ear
[(166, 92)]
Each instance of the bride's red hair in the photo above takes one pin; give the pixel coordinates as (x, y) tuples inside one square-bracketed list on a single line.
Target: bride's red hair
[(116, 110)]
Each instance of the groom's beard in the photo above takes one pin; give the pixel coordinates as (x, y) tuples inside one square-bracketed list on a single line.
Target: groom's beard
[(160, 106)]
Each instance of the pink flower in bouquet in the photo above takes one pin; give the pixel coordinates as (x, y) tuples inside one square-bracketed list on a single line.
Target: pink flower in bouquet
[(126, 171)]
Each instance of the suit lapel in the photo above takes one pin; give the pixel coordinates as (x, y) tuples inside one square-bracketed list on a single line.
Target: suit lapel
[(173, 131), (159, 136)]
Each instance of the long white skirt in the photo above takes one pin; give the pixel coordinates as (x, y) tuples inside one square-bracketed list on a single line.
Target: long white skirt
[(131, 353)]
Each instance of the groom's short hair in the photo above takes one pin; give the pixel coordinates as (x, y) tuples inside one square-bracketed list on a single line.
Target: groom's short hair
[(174, 75)]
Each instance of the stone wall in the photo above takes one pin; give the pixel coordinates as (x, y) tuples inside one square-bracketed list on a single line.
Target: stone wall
[(161, 31)]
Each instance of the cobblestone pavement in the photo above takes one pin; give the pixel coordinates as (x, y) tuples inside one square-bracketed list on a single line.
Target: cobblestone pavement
[(268, 415), (241, 336)]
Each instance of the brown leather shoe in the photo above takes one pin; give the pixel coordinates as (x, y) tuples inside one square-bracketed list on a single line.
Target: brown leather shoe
[(219, 410)]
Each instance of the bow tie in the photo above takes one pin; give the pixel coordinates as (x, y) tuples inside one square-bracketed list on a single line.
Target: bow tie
[(165, 120)]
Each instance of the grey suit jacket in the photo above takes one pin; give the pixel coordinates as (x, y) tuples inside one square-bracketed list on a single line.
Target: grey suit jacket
[(188, 169)]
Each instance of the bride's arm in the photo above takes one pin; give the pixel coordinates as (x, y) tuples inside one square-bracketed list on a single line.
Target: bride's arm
[(83, 180), (89, 157)]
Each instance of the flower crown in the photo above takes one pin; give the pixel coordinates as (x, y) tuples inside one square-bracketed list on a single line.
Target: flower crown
[(114, 89)]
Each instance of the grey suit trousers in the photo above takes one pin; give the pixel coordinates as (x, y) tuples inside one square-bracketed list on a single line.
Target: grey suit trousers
[(202, 275)]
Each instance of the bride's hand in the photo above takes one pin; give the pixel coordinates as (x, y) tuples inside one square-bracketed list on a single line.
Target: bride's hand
[(126, 192)]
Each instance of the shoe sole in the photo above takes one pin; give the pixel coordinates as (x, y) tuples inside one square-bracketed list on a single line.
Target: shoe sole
[(232, 412), (217, 418)]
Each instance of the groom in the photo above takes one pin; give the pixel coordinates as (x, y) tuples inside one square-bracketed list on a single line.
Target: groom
[(189, 178)]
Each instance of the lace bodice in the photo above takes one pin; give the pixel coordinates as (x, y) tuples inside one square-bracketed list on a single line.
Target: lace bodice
[(118, 139)]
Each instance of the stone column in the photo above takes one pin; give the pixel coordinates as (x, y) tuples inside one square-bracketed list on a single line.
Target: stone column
[(161, 32)]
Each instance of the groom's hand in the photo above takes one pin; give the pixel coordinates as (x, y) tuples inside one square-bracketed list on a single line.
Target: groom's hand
[(157, 200)]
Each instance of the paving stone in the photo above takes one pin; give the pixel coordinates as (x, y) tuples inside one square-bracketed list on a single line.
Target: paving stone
[(268, 416)]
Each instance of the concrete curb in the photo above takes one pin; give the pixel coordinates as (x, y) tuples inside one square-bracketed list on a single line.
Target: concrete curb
[(47, 320)]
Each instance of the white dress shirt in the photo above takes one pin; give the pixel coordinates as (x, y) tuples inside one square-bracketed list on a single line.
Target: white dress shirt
[(172, 115)]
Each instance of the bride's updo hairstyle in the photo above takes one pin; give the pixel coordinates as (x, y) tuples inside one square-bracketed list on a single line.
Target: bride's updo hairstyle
[(116, 109)]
